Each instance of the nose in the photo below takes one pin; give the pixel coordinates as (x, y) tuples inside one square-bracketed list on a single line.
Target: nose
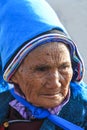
[(53, 80)]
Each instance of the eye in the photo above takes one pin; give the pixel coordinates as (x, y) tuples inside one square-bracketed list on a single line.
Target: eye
[(65, 66), (42, 68)]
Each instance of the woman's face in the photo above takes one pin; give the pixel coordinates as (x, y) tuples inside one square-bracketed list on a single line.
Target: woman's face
[(45, 75)]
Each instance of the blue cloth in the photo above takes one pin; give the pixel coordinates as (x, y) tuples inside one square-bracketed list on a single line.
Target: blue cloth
[(75, 110), (44, 113), (77, 103), (4, 86), (22, 20)]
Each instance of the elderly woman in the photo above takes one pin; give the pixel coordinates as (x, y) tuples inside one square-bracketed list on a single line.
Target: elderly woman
[(42, 87)]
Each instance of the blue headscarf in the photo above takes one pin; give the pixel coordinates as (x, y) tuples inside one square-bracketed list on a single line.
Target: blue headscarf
[(20, 21), (21, 24)]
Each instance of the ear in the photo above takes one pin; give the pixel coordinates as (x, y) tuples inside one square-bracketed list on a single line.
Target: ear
[(14, 79)]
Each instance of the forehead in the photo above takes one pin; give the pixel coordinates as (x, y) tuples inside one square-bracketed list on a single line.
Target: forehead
[(48, 53), (50, 48)]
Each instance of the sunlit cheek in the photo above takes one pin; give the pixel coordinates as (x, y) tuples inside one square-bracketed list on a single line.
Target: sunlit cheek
[(66, 82), (69, 75)]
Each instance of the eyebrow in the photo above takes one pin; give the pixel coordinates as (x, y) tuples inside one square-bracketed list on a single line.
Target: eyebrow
[(65, 63), (42, 65)]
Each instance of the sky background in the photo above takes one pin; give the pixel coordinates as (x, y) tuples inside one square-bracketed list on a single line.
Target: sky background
[(73, 15)]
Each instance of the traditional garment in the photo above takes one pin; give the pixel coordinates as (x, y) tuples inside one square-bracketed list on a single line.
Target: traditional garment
[(25, 25), (22, 24), (26, 114)]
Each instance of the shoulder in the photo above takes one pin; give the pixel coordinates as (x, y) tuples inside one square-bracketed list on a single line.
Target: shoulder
[(75, 110), (48, 125), (79, 90), (5, 98)]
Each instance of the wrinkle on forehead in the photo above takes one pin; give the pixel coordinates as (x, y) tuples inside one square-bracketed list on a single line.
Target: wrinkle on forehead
[(51, 46), (50, 52)]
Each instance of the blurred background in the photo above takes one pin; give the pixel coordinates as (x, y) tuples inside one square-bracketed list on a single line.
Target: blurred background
[(73, 15)]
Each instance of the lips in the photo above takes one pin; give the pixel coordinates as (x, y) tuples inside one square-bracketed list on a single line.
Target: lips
[(53, 95)]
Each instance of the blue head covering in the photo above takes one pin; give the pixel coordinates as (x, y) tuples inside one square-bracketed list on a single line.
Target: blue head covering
[(23, 20), (21, 24)]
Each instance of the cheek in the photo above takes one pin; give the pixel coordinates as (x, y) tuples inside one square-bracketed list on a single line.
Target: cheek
[(68, 75), (66, 78), (31, 88), (25, 84)]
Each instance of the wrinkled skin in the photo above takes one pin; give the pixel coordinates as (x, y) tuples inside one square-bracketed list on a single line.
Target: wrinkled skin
[(45, 74)]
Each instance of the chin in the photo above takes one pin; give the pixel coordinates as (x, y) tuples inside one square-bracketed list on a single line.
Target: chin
[(51, 106)]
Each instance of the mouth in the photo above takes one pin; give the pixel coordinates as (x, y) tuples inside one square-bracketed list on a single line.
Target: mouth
[(51, 96)]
